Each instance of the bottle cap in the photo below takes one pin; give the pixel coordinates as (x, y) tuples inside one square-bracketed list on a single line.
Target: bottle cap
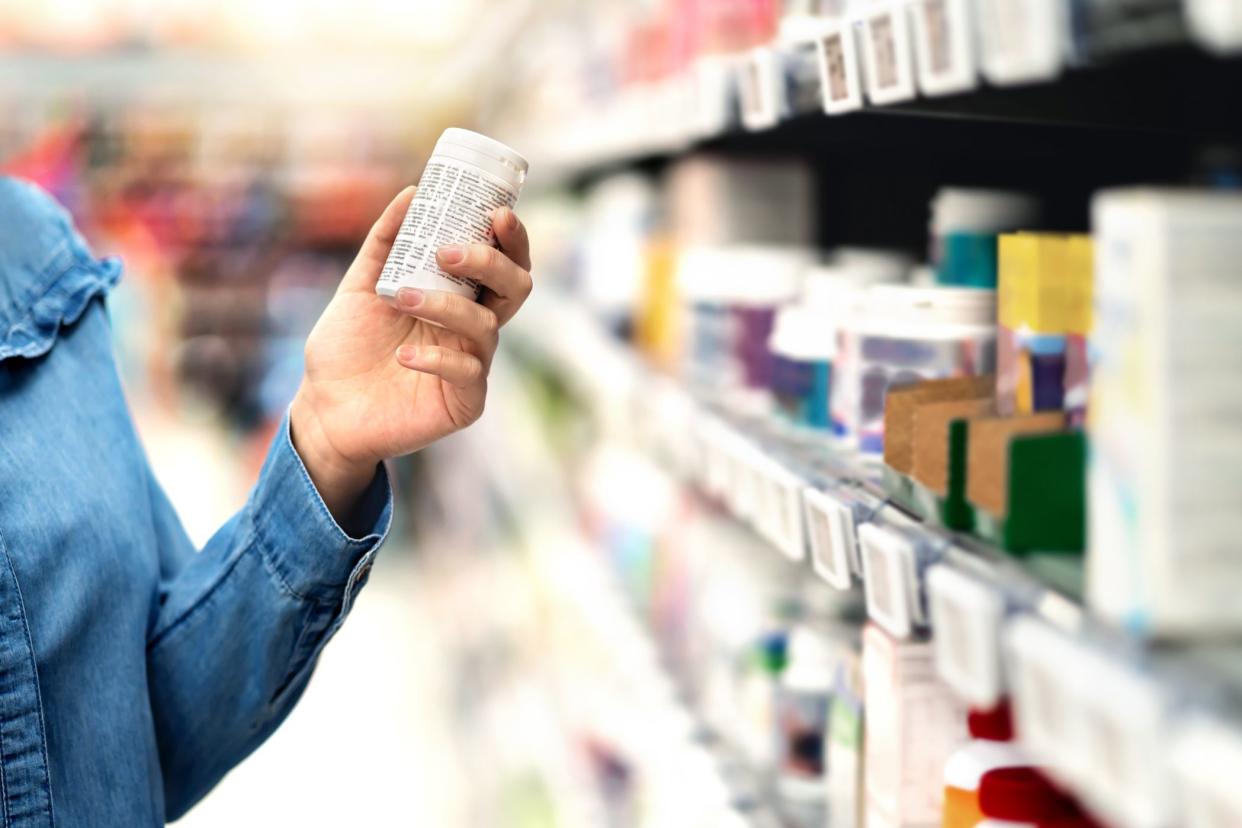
[(995, 725), (1022, 795)]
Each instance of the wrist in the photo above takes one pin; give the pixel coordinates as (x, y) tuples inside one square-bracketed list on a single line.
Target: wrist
[(339, 479)]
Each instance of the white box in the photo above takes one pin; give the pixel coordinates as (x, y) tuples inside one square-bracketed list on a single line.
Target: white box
[(1022, 41), (1165, 475)]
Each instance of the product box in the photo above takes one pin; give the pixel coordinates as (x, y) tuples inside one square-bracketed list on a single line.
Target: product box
[(1026, 478), (925, 446), (913, 725), (1166, 409), (1044, 301)]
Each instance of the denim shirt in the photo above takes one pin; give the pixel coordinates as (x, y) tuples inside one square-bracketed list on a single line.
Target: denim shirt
[(135, 671)]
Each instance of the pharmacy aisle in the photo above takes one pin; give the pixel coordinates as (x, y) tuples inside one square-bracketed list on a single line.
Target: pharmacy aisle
[(867, 456)]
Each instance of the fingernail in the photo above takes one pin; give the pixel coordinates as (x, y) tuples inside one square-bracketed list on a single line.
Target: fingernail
[(511, 219), (406, 353), (409, 297), (453, 254)]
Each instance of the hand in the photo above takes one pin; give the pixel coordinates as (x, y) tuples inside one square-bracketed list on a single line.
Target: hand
[(382, 382)]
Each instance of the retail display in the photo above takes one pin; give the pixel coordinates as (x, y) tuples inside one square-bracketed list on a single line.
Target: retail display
[(866, 456)]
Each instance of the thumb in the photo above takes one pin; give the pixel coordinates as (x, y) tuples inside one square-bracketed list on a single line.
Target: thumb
[(367, 265)]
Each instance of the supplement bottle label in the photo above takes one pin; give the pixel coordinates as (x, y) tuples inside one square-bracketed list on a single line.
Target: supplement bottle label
[(453, 205)]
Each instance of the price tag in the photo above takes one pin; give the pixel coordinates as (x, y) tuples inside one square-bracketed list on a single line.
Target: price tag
[(761, 85), (1127, 732), (966, 617), (943, 46), (1022, 41), (890, 579), (824, 518), (888, 53), (1207, 754), (787, 521), (1043, 667), (839, 67)]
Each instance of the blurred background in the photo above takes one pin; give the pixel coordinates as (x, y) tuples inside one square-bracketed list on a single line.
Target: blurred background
[(869, 453)]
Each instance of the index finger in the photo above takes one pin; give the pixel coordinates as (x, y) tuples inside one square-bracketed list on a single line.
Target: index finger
[(512, 237), (365, 271)]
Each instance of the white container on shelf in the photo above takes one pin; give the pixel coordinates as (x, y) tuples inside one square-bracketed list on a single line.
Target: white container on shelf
[(902, 334), (803, 700), (1216, 24), (468, 177)]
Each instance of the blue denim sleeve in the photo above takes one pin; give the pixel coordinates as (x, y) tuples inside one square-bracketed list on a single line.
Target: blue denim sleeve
[(241, 623)]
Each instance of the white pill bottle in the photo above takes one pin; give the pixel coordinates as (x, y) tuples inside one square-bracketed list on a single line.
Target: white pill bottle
[(468, 177)]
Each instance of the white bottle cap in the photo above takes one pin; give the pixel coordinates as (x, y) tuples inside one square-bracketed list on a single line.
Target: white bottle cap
[(918, 312), (485, 152), (981, 211), (803, 333)]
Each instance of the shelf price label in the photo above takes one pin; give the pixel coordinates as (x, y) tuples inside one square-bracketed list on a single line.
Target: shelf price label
[(839, 68), (891, 579), (1022, 41), (830, 530), (966, 617), (888, 53), (1207, 753), (944, 46), (1127, 729), (761, 88), (1043, 668)]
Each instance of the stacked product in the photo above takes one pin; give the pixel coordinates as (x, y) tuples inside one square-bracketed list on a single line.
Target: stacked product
[(1165, 405), (965, 225)]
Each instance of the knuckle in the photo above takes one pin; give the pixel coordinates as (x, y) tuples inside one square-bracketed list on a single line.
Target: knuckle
[(485, 256), (489, 322)]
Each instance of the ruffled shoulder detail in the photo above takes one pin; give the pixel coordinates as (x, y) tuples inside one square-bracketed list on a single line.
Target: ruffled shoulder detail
[(48, 276)]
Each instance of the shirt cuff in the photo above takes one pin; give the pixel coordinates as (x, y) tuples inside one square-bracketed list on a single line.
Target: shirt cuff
[(311, 554)]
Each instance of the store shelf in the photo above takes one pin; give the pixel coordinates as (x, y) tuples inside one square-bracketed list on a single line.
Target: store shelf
[(1034, 642), (1166, 102)]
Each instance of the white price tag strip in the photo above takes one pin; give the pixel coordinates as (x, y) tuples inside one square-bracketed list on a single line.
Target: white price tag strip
[(888, 53), (1043, 668), (840, 69), (966, 617), (944, 46), (891, 579), (1207, 764), (761, 86), (1022, 41), (1128, 732), (825, 518)]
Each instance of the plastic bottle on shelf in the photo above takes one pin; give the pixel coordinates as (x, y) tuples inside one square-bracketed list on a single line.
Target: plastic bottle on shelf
[(991, 747), (803, 701), (898, 334), (467, 178), (964, 226), (803, 351), (775, 280)]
